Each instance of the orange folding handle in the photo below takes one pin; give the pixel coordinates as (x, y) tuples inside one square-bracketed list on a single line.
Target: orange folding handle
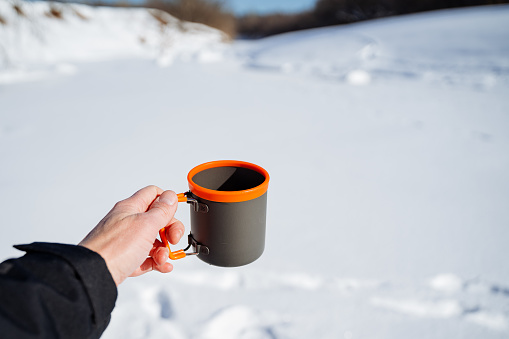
[(162, 233)]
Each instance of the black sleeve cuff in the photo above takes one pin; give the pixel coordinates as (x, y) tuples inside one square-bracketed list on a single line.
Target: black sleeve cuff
[(91, 269)]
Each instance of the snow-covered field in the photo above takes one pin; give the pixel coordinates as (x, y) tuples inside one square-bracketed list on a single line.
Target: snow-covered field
[(387, 143)]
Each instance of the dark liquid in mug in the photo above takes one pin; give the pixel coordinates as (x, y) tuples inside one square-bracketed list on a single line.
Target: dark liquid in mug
[(228, 178)]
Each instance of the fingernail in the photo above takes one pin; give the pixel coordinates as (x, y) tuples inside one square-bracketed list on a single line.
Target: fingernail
[(166, 254), (169, 199), (178, 234)]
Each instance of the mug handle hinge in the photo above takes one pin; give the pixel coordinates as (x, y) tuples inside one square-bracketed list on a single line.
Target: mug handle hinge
[(197, 206), (198, 248)]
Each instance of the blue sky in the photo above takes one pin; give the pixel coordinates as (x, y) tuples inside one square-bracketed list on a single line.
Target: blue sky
[(250, 6), (267, 6)]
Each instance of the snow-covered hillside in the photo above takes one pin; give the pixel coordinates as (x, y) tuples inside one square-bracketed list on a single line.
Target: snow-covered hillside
[(35, 36), (471, 50), (388, 148)]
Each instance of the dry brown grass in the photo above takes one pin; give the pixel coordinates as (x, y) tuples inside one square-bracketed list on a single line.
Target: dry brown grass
[(158, 15), (18, 10), (54, 12), (79, 14), (208, 12)]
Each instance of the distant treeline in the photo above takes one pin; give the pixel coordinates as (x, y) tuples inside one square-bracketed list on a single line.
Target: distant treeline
[(215, 13), (338, 12)]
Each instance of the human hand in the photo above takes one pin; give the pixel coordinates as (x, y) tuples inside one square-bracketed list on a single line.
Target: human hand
[(127, 236)]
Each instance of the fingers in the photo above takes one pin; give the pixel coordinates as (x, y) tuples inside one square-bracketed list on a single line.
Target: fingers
[(155, 246), (150, 265), (156, 261), (160, 254), (175, 231), (162, 210), (140, 201)]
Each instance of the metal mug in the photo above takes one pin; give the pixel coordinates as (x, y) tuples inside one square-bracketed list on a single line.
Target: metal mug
[(228, 214)]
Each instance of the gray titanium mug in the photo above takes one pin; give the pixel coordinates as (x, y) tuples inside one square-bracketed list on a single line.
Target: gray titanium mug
[(228, 214)]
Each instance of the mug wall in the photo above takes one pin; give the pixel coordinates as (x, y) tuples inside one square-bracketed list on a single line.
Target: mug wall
[(233, 232)]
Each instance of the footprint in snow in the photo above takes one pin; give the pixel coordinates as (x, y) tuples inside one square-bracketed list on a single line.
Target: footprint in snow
[(165, 304), (500, 290)]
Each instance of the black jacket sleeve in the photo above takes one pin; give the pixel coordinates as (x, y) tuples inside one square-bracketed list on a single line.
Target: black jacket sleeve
[(55, 291)]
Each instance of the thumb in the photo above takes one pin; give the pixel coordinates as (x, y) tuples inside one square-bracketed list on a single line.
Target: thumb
[(162, 210)]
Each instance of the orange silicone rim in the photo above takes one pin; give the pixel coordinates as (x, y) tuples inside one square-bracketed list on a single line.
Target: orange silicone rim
[(228, 196)]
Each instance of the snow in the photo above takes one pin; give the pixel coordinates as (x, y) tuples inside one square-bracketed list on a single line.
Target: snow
[(446, 283), (422, 308), (386, 143), (36, 39)]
